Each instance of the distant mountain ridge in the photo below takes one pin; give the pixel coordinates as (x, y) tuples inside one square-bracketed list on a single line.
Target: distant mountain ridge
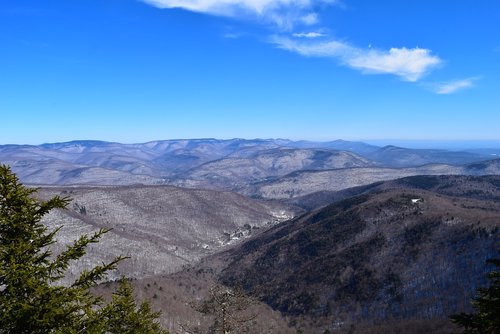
[(302, 183), (238, 172), (268, 168), (394, 156)]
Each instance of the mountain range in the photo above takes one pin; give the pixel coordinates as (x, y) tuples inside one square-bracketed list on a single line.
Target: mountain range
[(267, 168), (336, 236), (391, 257)]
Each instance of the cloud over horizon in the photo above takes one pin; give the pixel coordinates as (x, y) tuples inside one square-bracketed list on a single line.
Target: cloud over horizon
[(408, 64)]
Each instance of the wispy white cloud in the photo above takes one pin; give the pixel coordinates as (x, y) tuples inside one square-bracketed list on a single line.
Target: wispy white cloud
[(451, 87), (408, 64), (309, 19), (311, 34), (284, 13)]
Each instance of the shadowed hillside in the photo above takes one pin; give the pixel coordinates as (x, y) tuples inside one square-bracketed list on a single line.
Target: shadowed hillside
[(478, 187), (392, 254)]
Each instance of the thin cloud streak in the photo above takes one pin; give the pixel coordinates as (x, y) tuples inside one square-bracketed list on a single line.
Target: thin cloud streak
[(408, 64), (312, 34), (454, 86)]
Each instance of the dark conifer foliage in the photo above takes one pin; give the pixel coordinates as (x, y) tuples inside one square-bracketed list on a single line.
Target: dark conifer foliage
[(124, 316), (486, 320), (32, 299)]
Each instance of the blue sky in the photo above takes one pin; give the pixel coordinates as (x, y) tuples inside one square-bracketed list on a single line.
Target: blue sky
[(134, 71)]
